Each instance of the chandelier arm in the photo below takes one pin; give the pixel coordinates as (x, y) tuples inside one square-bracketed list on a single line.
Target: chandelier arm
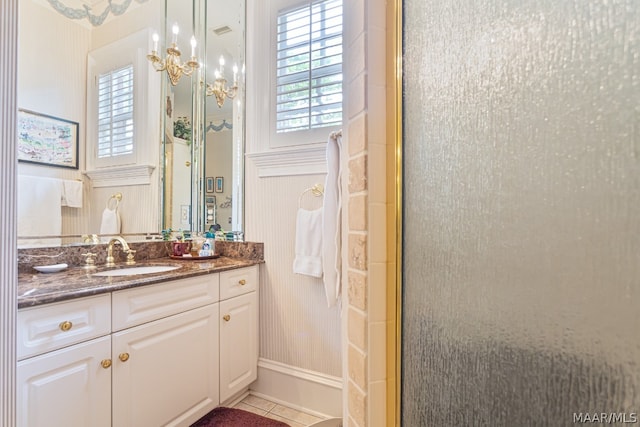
[(159, 65)]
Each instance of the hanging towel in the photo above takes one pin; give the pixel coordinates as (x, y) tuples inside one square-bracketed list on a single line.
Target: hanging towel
[(72, 193), (110, 219), (308, 260), (39, 209), (331, 220)]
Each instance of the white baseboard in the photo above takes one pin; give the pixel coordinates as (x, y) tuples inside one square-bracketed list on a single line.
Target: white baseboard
[(307, 391)]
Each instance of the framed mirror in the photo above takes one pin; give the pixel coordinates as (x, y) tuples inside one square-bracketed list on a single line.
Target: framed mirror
[(211, 108), (59, 44)]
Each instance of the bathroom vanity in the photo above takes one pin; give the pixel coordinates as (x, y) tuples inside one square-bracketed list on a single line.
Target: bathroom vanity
[(140, 350)]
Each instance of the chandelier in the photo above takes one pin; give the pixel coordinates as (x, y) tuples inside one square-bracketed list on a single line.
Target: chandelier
[(172, 64), (219, 86)]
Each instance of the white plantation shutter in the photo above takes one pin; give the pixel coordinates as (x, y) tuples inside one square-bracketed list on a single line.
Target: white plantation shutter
[(309, 66), (115, 112)]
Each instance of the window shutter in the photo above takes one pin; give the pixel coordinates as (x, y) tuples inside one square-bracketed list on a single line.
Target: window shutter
[(309, 67), (115, 113)]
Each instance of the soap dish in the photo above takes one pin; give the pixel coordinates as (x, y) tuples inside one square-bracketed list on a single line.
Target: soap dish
[(50, 268)]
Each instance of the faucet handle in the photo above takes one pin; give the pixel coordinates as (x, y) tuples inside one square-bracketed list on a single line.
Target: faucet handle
[(89, 261), (130, 259)]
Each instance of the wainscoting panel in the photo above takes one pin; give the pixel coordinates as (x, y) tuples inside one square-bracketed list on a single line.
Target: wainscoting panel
[(296, 326)]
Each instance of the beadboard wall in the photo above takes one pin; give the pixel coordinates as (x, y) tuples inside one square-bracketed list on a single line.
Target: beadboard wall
[(139, 212), (296, 326), (60, 91)]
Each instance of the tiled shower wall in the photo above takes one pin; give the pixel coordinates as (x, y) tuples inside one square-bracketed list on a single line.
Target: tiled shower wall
[(365, 259)]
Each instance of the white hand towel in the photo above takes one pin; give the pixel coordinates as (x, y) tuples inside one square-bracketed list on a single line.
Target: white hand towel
[(110, 221), (72, 193), (331, 220), (308, 260), (39, 209)]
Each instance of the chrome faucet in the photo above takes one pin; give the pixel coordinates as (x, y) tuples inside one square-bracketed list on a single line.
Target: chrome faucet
[(125, 248)]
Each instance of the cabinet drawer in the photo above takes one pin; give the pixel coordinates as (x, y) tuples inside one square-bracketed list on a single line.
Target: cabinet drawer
[(238, 282), (132, 307), (53, 326)]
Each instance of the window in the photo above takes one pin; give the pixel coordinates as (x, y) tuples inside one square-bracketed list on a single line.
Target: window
[(309, 66), (115, 112)]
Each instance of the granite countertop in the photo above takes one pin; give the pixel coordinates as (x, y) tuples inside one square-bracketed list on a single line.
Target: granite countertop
[(36, 288)]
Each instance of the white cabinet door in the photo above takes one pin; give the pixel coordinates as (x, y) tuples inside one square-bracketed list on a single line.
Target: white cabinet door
[(238, 344), (67, 387), (165, 371)]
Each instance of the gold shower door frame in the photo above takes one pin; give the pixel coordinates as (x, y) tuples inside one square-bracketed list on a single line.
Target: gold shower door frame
[(394, 216)]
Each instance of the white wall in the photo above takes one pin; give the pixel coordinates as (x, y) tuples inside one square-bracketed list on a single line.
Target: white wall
[(52, 73), (297, 329)]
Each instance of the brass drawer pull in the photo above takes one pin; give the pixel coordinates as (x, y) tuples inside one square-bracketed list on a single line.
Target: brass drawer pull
[(242, 282), (106, 363), (65, 326), (124, 357), (226, 317)]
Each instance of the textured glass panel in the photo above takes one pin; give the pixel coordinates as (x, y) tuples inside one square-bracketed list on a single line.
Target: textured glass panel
[(521, 302)]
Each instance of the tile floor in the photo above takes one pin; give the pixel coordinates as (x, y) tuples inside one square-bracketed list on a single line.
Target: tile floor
[(276, 411)]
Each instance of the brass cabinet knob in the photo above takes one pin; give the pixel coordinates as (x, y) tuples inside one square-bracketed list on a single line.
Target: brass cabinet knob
[(242, 282), (226, 317), (65, 326), (123, 357), (106, 363), (187, 163)]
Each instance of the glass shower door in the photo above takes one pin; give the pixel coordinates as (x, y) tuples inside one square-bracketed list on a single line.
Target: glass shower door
[(521, 213)]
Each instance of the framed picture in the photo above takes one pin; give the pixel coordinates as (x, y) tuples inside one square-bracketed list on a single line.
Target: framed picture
[(219, 184), (47, 140), (209, 184), (210, 200)]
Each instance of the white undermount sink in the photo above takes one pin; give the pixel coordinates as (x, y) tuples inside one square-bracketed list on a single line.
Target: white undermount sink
[(130, 271)]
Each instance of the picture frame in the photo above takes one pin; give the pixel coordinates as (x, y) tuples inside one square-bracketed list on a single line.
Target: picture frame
[(210, 200), (47, 140), (219, 184), (209, 186)]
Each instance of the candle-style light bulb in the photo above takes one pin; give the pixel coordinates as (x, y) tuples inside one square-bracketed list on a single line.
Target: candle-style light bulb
[(175, 31), (235, 74), (221, 65), (193, 46), (155, 39), (217, 74)]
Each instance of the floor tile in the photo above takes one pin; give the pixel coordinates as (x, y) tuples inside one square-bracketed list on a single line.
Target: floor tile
[(294, 415), (259, 402), (284, 420), (250, 408)]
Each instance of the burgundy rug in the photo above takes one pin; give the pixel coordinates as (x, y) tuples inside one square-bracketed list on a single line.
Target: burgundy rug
[(231, 417)]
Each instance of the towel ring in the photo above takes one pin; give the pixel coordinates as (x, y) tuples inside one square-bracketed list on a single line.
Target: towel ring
[(117, 197), (317, 191)]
